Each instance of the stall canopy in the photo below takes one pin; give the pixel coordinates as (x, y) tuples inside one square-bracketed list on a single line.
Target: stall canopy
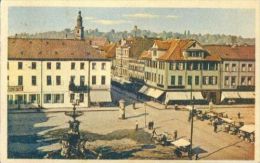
[(229, 95), (248, 128), (183, 96), (100, 96), (181, 143)]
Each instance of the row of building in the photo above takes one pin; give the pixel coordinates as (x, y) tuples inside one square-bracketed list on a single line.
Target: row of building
[(169, 70), (53, 73)]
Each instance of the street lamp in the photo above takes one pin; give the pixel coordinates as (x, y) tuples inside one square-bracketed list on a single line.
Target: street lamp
[(191, 132), (145, 114)]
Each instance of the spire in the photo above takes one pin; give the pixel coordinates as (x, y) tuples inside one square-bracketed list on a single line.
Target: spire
[(79, 29)]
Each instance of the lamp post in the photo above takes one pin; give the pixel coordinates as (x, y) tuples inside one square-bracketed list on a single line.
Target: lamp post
[(145, 114), (191, 132)]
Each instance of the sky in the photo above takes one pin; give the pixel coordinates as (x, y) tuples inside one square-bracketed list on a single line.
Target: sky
[(240, 22)]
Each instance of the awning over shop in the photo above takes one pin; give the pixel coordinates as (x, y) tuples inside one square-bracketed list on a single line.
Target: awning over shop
[(247, 95), (182, 96), (248, 128), (153, 92), (143, 89), (229, 95), (100, 96)]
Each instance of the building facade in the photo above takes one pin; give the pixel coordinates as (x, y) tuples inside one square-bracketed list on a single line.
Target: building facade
[(175, 67), (54, 73)]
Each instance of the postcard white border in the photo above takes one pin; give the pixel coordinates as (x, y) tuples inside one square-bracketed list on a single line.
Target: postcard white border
[(252, 4)]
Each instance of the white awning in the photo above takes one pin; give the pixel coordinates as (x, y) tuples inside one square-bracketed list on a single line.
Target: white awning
[(197, 95), (183, 96), (181, 143), (100, 96), (229, 95), (247, 95), (143, 89), (176, 96), (248, 128), (153, 92)]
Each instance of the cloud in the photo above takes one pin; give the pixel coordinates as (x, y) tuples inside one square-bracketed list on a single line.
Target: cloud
[(110, 22), (142, 15), (172, 16)]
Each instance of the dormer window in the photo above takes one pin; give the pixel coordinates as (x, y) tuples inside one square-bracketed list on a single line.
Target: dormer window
[(154, 53)]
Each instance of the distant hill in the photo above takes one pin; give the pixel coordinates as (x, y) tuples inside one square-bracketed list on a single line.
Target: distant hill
[(114, 36)]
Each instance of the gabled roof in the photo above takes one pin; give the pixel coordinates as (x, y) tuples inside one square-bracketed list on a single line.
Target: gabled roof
[(70, 49), (109, 50), (137, 45), (227, 52), (175, 51)]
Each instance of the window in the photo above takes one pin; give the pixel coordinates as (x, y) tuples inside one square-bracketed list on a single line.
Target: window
[(189, 66), (226, 67), (243, 67), (72, 97), (20, 65), (20, 80), (243, 80), (197, 80), (214, 80), (195, 66), (82, 80), (72, 79), (72, 66), (172, 80), (58, 80), (250, 67), (249, 80), (103, 67), (48, 65), (33, 65), (234, 67), (48, 80), (179, 80), (47, 98), (32, 98), (103, 80), (58, 66), (81, 97), (93, 80), (33, 80), (205, 80), (154, 53), (94, 66), (189, 80), (226, 80), (82, 65), (58, 98), (212, 66), (210, 80), (233, 80)]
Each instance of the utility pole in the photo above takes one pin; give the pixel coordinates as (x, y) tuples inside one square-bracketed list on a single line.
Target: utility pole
[(191, 132)]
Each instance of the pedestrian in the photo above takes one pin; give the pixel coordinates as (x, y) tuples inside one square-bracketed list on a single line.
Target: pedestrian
[(175, 134), (238, 115), (189, 116), (215, 126), (197, 156), (136, 125)]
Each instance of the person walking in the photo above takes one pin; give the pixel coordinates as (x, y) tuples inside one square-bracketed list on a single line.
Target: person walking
[(136, 125), (189, 119), (175, 134), (215, 124), (238, 115), (197, 156)]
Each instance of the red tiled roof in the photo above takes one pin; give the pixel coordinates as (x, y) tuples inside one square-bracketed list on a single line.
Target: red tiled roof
[(110, 50), (227, 52), (146, 55), (177, 47), (19, 48)]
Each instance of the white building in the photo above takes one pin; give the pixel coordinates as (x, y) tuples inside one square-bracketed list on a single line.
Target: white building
[(40, 72)]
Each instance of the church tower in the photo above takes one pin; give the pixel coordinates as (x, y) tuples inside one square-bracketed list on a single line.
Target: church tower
[(79, 29)]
